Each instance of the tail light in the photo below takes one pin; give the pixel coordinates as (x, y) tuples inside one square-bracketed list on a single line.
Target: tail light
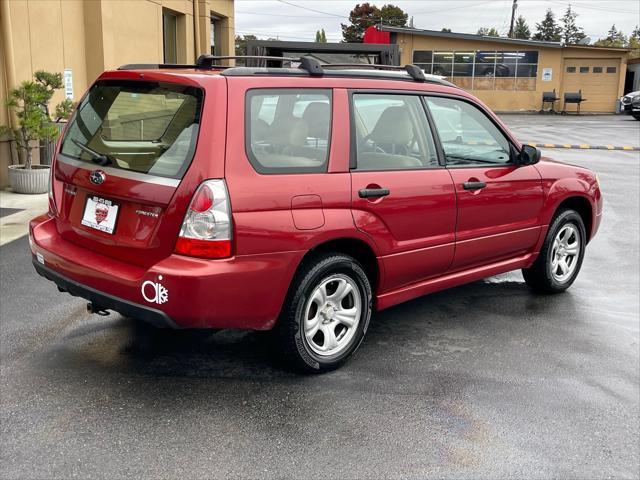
[(206, 229), (53, 209)]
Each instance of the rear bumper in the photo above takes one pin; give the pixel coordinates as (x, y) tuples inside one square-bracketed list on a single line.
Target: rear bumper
[(106, 301), (243, 292)]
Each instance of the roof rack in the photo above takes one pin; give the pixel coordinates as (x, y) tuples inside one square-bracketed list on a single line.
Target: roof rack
[(307, 63)]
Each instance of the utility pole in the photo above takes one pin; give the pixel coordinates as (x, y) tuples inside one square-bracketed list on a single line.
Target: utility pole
[(513, 17)]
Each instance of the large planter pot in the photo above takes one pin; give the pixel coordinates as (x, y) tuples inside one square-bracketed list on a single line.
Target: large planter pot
[(34, 180), (48, 147)]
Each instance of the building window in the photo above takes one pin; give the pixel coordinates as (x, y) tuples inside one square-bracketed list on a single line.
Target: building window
[(571, 69), (612, 69), (482, 70), (169, 36), (584, 69), (216, 27), (597, 69)]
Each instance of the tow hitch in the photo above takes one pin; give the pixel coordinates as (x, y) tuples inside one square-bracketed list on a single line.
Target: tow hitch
[(97, 309)]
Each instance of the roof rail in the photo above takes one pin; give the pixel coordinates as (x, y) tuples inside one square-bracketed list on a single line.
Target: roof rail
[(414, 71), (209, 61), (307, 63)]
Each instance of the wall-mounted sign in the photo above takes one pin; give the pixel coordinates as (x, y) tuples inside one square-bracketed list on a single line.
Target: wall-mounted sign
[(547, 74), (68, 83)]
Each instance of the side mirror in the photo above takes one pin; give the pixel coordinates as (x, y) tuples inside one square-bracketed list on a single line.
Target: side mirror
[(528, 155)]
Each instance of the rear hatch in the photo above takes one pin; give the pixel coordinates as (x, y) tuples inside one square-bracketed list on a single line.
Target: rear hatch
[(120, 163)]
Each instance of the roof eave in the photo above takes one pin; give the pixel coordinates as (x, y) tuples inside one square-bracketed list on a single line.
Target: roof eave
[(470, 36)]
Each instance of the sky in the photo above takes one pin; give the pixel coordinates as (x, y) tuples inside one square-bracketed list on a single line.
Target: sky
[(298, 20)]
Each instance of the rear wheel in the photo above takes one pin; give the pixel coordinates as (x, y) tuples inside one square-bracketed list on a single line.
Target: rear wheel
[(637, 117), (560, 258), (326, 314)]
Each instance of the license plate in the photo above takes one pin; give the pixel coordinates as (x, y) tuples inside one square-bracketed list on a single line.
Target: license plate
[(101, 214)]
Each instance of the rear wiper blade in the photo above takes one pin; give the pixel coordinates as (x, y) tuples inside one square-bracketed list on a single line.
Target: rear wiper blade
[(96, 157)]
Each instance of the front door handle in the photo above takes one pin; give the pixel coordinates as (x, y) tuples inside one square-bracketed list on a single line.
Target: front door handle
[(373, 192), (473, 185)]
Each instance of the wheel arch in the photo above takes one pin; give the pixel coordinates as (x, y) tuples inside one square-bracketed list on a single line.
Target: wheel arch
[(583, 206), (354, 247)]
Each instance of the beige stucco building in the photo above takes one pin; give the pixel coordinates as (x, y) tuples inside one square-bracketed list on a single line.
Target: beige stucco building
[(84, 37), (510, 75)]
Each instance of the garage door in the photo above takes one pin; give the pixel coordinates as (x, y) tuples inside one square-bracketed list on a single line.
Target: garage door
[(597, 78)]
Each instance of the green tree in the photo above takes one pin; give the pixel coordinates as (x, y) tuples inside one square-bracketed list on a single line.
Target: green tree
[(488, 32), (27, 102), (393, 16), (49, 82), (614, 38), (365, 15), (521, 29), (446, 30), (634, 43), (241, 43), (321, 36), (548, 30), (571, 33)]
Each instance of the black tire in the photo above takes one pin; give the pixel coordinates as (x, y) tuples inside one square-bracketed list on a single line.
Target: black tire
[(290, 328), (438, 71), (539, 276), (637, 117)]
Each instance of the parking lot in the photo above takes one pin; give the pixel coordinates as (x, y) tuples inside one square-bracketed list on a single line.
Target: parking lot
[(482, 381)]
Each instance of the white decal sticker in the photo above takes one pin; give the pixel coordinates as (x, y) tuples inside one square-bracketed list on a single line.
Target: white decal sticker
[(155, 292), (40, 257)]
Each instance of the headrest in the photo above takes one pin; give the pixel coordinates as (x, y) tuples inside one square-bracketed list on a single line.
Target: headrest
[(394, 127), (317, 116)]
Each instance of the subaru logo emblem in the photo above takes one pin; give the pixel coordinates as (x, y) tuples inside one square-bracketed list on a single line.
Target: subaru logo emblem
[(97, 177)]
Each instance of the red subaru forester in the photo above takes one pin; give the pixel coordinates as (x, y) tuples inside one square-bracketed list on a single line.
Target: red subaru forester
[(300, 199)]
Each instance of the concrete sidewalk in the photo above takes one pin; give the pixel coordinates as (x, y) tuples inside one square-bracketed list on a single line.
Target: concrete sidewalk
[(15, 212)]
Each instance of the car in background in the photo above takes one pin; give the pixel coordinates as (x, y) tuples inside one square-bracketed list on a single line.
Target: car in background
[(631, 104)]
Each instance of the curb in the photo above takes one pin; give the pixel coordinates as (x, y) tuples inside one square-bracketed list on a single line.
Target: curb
[(583, 146)]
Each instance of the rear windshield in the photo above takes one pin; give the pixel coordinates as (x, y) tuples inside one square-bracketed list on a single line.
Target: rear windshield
[(146, 127)]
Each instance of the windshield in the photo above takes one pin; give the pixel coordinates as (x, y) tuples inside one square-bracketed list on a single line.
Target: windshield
[(146, 127)]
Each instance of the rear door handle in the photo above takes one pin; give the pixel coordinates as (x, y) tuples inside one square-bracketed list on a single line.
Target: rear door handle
[(373, 192), (473, 185)]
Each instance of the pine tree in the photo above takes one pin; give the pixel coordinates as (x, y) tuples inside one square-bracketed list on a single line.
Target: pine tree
[(614, 38), (521, 29), (571, 33), (548, 30), (321, 36)]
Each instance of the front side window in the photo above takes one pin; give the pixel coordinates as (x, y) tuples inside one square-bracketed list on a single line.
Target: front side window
[(392, 133), (146, 127), (467, 135), (288, 130)]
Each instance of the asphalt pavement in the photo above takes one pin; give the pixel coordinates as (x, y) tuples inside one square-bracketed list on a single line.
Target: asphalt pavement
[(486, 380)]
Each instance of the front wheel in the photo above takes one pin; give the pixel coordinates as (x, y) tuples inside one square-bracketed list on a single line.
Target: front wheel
[(326, 314), (637, 117), (560, 258)]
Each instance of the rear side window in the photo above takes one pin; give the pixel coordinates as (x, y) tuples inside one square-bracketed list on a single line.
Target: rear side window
[(392, 133), (145, 127), (288, 130)]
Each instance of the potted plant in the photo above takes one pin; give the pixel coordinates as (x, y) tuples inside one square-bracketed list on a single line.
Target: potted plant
[(30, 103)]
